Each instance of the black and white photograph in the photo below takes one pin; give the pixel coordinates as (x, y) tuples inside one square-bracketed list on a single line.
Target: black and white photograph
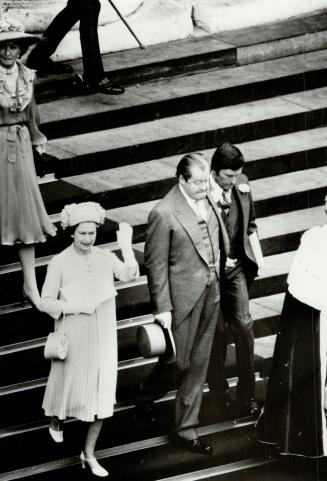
[(163, 240)]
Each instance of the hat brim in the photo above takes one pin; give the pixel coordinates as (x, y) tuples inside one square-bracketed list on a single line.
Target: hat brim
[(170, 355), (19, 37), (154, 340)]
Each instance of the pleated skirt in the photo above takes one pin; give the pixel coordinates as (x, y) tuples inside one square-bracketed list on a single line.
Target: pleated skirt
[(83, 386), (23, 218)]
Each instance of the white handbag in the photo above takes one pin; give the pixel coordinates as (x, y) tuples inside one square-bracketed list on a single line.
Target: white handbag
[(56, 346)]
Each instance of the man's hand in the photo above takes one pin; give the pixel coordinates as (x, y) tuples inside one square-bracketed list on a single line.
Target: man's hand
[(164, 319)]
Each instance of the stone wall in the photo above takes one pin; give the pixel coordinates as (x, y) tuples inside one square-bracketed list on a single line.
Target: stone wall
[(220, 15)]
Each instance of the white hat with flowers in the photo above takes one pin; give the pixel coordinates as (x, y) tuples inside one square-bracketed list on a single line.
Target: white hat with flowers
[(12, 30), (74, 214)]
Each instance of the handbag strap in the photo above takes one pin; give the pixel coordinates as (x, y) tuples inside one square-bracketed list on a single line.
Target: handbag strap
[(63, 322)]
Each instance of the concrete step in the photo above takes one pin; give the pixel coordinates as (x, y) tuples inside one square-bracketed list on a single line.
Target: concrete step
[(108, 148), (127, 458), (278, 39), (23, 361), (123, 433), (278, 233), (282, 232), (293, 36), (130, 374), (23, 328), (153, 178), (133, 299), (274, 195), (288, 468), (186, 94)]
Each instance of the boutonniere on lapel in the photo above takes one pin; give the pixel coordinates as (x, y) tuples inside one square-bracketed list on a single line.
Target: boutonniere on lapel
[(244, 188)]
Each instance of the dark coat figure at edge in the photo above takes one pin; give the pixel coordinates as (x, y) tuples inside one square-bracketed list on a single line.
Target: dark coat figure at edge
[(186, 241), (293, 417), (231, 191), (87, 13)]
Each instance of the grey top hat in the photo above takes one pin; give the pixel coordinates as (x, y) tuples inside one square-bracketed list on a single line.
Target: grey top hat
[(11, 29), (154, 340)]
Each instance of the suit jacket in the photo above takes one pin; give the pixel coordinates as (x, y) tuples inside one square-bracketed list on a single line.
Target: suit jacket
[(249, 225), (175, 255)]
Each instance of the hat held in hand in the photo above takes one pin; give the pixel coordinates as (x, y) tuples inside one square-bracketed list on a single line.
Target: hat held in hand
[(154, 340)]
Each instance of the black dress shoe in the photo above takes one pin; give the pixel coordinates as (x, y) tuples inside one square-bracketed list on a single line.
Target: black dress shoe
[(110, 88), (104, 86), (146, 413), (194, 445), (48, 67)]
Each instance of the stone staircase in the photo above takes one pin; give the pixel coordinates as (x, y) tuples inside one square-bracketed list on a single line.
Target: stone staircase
[(122, 152)]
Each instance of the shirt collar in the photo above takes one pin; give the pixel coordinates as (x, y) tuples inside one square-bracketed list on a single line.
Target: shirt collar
[(215, 189), (9, 71)]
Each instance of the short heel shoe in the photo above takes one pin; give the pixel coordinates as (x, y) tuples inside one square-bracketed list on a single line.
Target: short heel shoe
[(57, 436), (94, 466)]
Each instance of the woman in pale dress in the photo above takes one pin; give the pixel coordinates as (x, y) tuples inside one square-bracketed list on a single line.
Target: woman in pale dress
[(79, 294), (23, 218), (294, 414)]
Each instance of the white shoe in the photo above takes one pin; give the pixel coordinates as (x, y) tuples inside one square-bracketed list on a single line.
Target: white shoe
[(94, 466), (57, 436)]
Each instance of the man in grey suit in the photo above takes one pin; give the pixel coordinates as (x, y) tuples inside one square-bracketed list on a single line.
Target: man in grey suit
[(185, 241), (231, 191)]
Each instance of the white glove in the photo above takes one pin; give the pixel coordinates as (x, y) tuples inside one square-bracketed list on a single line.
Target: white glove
[(41, 148), (124, 239), (164, 319), (124, 236)]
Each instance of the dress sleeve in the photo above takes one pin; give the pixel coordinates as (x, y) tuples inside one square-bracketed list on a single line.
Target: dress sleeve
[(33, 125), (307, 279), (122, 271), (51, 288)]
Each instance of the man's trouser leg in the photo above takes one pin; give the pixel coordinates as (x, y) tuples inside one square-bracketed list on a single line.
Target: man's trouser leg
[(92, 62), (195, 343), (56, 31), (235, 308)]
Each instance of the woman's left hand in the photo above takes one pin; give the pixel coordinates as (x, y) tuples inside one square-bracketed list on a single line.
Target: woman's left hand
[(41, 148)]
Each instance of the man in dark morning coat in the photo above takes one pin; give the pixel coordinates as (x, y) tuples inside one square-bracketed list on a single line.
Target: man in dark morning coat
[(231, 191), (87, 13), (185, 237)]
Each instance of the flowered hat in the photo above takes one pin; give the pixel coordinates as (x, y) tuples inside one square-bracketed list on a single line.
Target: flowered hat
[(74, 214), (11, 29)]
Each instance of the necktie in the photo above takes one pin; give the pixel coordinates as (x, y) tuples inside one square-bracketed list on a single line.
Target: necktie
[(225, 203)]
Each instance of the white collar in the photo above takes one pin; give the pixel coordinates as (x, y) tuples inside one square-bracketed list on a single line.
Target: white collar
[(198, 206), (192, 203), (9, 71), (215, 189)]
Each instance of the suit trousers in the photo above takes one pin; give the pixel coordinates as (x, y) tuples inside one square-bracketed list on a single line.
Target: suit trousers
[(193, 347), (235, 313), (87, 13)]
